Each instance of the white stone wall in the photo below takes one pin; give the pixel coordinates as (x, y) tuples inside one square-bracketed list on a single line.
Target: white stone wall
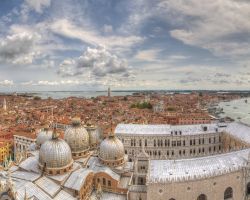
[(213, 188), (21, 143), (172, 146)]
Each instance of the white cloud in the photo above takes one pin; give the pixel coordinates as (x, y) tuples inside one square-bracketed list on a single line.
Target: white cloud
[(96, 61), (38, 5), (54, 83), (107, 28), (214, 25), (68, 29), (18, 48), (6, 83), (148, 55)]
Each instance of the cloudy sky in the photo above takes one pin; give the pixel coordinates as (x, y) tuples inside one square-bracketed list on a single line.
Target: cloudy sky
[(125, 44)]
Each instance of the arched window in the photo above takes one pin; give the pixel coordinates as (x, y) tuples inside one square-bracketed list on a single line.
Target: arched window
[(248, 189), (228, 193), (202, 197), (172, 199)]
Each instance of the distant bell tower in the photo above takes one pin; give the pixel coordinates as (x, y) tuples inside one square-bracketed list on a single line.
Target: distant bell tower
[(4, 104), (109, 92)]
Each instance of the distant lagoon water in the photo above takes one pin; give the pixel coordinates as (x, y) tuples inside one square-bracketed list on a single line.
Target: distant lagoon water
[(85, 94), (239, 110)]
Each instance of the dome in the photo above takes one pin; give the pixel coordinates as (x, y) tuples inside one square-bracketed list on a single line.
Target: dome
[(94, 135), (43, 136), (112, 151), (55, 154), (78, 139)]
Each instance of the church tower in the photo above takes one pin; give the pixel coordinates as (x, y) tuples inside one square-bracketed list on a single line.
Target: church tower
[(109, 92), (141, 167)]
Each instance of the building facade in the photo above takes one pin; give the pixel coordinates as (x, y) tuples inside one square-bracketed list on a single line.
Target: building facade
[(5, 150), (52, 171), (171, 142), (22, 143)]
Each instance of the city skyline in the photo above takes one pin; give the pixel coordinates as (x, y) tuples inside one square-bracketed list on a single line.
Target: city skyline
[(85, 45)]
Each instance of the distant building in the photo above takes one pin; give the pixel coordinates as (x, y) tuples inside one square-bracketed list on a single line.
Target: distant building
[(5, 150), (4, 105), (109, 92), (22, 143), (159, 107)]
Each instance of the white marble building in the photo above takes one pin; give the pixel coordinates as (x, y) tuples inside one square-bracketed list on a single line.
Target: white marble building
[(171, 142)]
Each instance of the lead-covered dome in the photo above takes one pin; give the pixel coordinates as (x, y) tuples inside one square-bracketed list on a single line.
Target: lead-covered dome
[(78, 139), (112, 151), (55, 156), (43, 136), (95, 135)]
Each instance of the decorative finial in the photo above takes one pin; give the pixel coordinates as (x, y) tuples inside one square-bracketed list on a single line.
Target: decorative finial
[(55, 134), (111, 134), (76, 121), (46, 127)]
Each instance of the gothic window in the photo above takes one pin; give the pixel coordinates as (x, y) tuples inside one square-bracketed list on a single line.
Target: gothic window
[(146, 142), (228, 194), (154, 143), (140, 142), (202, 197)]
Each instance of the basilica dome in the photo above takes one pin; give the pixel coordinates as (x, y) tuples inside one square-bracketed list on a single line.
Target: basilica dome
[(112, 151), (94, 135), (55, 156), (43, 136), (78, 139)]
